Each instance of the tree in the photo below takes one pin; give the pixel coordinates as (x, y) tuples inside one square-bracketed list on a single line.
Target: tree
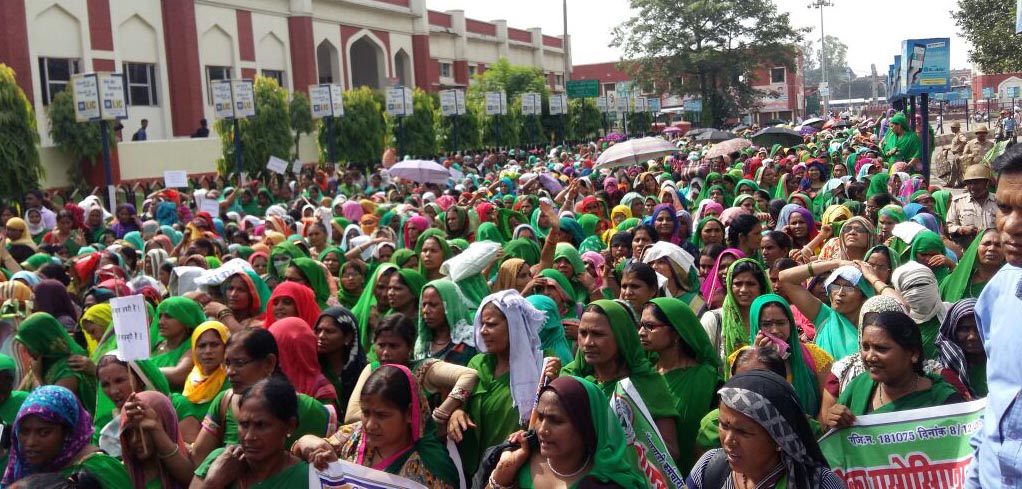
[(301, 117), (358, 136), (837, 62), (989, 26), (707, 48), (584, 119), (19, 139), (79, 140), (639, 122), (467, 134), (419, 128), (266, 134), (514, 81)]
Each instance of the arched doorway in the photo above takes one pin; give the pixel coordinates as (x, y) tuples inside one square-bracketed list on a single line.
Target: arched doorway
[(403, 68), (368, 64), (327, 62)]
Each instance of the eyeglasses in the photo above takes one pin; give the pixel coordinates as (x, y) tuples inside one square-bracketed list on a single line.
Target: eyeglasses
[(236, 364), (855, 229), (838, 289), (648, 326), (780, 323)]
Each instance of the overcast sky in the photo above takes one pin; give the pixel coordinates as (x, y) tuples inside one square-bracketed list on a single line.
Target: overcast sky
[(872, 29)]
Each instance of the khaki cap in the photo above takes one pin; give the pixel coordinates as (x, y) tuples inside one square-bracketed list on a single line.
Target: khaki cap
[(977, 172), (956, 125), (981, 128)]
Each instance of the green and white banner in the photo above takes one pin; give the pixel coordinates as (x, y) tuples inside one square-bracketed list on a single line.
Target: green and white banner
[(643, 436), (918, 448)]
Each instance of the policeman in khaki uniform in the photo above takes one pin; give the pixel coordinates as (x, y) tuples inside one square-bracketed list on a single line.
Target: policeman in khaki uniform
[(951, 157), (972, 212), (978, 147)]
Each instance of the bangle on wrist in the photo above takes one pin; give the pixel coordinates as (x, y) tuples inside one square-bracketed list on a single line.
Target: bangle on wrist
[(811, 272), (175, 451), (495, 485)]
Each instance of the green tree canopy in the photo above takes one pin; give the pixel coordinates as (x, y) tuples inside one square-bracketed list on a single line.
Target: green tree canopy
[(584, 119), (467, 134), (837, 62), (419, 128), (513, 80), (359, 136), (989, 26), (266, 134), (79, 140), (19, 139), (301, 117), (707, 48)]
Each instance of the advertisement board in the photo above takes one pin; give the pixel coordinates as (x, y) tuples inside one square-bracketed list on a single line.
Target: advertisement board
[(925, 66)]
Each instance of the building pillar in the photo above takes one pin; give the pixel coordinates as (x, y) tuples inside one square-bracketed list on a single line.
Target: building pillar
[(303, 53), (422, 62), (181, 37), (502, 45), (14, 44), (460, 46)]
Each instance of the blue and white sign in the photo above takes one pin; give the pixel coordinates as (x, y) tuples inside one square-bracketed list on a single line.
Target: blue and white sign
[(1013, 92), (926, 65), (988, 92), (692, 105), (897, 87)]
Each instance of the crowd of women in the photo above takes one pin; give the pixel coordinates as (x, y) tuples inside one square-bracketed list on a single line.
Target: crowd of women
[(753, 300)]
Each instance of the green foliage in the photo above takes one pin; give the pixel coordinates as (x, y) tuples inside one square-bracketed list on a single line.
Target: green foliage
[(19, 139), (358, 136), (639, 122), (707, 48), (837, 62), (420, 134), (467, 134), (989, 26), (301, 117), (513, 80), (80, 141), (584, 119), (266, 134)]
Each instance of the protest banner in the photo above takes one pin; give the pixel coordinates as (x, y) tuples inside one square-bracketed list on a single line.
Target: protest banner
[(276, 165), (175, 179), (131, 327), (918, 448), (643, 436), (212, 206), (346, 475)]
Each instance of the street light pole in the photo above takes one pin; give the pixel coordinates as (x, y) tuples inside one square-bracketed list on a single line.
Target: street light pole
[(823, 51)]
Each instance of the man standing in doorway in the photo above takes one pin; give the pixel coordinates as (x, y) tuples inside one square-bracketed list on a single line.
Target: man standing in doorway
[(140, 135)]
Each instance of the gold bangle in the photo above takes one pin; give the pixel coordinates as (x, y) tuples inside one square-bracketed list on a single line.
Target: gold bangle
[(810, 266)]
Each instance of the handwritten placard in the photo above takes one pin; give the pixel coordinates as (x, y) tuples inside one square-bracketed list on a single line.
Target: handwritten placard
[(212, 206), (131, 327), (277, 165), (175, 179), (296, 168)]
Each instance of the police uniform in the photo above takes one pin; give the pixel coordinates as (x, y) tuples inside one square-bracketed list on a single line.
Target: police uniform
[(951, 160), (975, 150), (967, 211)]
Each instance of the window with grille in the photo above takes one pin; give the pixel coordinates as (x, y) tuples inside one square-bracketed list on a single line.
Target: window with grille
[(55, 74), (276, 75), (777, 75), (140, 83), (445, 70), (215, 73)]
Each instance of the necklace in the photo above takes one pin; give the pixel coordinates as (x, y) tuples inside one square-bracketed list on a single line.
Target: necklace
[(571, 475), (915, 383)]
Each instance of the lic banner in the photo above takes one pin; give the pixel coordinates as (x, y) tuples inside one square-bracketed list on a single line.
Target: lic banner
[(926, 65), (918, 448)]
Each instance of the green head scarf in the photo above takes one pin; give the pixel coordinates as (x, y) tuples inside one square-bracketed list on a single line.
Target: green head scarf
[(745, 183), (954, 287), (366, 302), (732, 326), (37, 261), (335, 250), (877, 184), (589, 223), (551, 336), (414, 280), (629, 223), (891, 255), (316, 275), (285, 249), (257, 290), (456, 310), (802, 377), (568, 252), (488, 231), (523, 248), (650, 385), (440, 238), (184, 310), (941, 200), (697, 238), (402, 256), (685, 323), (46, 337), (929, 242), (457, 245), (540, 232), (504, 225), (567, 290)]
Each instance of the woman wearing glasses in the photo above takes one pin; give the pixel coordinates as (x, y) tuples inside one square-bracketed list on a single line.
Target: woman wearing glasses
[(849, 285), (857, 236)]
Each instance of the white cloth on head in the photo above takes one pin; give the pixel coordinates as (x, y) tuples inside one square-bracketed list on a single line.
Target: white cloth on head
[(847, 272), (907, 231), (276, 210), (359, 241), (344, 237), (917, 284), (671, 251), (526, 356)]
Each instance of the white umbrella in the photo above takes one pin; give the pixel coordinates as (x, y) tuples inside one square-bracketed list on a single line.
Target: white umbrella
[(635, 151), (420, 171)]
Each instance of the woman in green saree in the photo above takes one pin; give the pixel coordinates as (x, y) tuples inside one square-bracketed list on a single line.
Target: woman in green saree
[(892, 351), (609, 350), (176, 318), (432, 250), (269, 409), (578, 433), (686, 360), (373, 303), (48, 344), (404, 441), (445, 329), (311, 274), (488, 231), (568, 261), (981, 260), (117, 381)]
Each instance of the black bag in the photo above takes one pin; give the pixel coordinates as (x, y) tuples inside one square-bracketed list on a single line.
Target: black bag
[(491, 456)]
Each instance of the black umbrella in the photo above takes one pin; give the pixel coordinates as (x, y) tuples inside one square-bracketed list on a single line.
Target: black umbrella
[(695, 132), (842, 124), (715, 135), (774, 122), (777, 135)]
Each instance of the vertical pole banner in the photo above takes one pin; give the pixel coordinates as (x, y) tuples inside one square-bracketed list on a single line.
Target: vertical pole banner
[(644, 438), (921, 448)]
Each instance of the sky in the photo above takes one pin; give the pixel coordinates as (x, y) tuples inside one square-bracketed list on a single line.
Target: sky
[(871, 37)]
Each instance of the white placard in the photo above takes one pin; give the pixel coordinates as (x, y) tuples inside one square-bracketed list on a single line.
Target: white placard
[(111, 96), (85, 90), (531, 103), (346, 474), (319, 100), (131, 327), (459, 96), (218, 275), (399, 101), (296, 167), (277, 165), (557, 104), (337, 100), (223, 100), (175, 179), (503, 103), (620, 104), (244, 98), (493, 104), (448, 103), (212, 206)]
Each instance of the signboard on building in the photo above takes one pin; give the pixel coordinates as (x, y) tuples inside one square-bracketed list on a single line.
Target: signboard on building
[(775, 98), (223, 101), (85, 90), (496, 103), (641, 104), (654, 104), (926, 65), (448, 103), (327, 100), (233, 98), (583, 88), (558, 104), (897, 86), (692, 105), (111, 96), (601, 103), (244, 98), (532, 103), (988, 92), (1013, 92), (399, 101)]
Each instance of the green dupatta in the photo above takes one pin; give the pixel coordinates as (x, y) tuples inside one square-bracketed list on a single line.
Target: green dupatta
[(733, 331), (929, 242), (456, 311), (803, 379), (440, 237), (488, 231), (188, 313), (568, 252), (317, 277), (366, 302), (858, 394), (650, 385), (44, 336), (956, 286)]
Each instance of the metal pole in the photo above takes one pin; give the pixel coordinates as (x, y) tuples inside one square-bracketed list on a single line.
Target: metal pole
[(237, 148), (400, 138), (454, 121), (111, 201), (823, 59), (966, 115), (912, 112), (532, 132), (924, 112), (330, 141)]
